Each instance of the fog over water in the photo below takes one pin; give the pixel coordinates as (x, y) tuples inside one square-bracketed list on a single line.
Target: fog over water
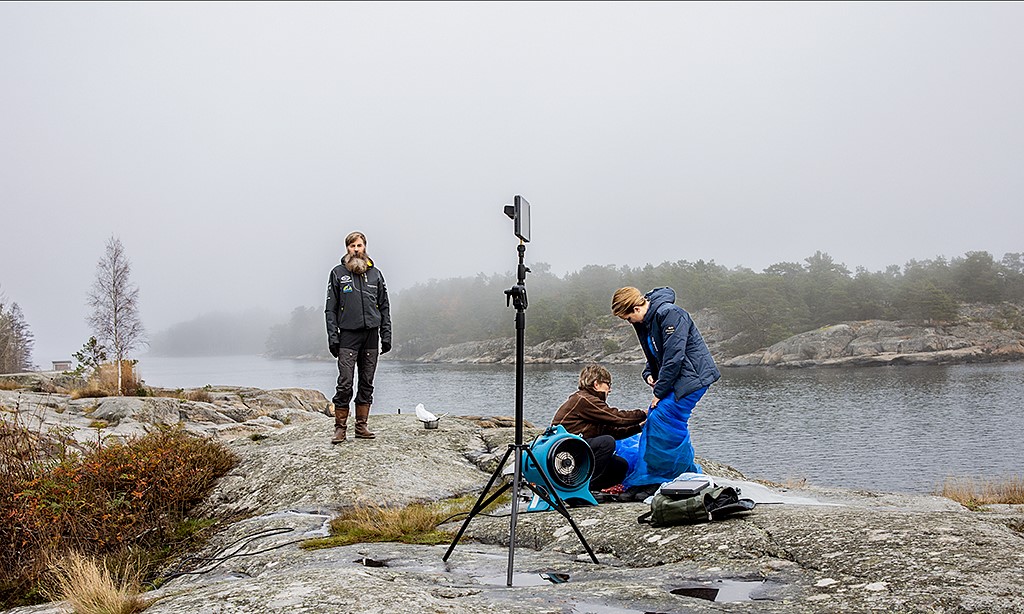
[(231, 146)]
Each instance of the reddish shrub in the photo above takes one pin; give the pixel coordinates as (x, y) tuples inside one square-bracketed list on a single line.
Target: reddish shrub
[(96, 503)]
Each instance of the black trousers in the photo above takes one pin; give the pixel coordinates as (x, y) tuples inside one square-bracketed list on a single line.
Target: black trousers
[(609, 468), (358, 351)]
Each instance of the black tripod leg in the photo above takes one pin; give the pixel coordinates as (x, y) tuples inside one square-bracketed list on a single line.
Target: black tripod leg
[(480, 504), (556, 502), (492, 498)]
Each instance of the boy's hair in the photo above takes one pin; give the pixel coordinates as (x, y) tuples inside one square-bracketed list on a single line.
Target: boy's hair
[(625, 300), (594, 374)]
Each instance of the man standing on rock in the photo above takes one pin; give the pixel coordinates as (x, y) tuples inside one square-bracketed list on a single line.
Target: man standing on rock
[(358, 313)]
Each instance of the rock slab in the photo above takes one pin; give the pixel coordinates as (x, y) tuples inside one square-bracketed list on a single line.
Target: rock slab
[(854, 552)]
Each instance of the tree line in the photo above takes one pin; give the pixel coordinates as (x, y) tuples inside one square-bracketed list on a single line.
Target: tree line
[(755, 309)]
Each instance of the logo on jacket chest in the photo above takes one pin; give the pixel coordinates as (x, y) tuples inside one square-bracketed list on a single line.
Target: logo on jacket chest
[(347, 288), (345, 278)]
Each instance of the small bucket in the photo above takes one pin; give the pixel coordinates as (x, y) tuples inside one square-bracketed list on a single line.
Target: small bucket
[(431, 425)]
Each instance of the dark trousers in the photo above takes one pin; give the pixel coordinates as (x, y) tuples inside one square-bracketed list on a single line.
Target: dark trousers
[(609, 468), (358, 351)]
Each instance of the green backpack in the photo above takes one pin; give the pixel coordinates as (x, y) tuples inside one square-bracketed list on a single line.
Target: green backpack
[(708, 503)]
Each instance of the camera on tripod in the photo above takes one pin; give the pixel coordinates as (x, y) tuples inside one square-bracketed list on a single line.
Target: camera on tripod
[(519, 211), (560, 462), (520, 214)]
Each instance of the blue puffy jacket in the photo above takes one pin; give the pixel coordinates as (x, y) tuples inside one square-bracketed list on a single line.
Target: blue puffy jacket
[(677, 356)]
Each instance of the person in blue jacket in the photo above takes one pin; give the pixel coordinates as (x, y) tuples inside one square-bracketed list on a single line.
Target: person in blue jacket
[(679, 369)]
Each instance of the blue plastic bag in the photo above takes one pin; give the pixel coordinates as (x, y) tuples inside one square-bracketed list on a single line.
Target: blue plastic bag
[(628, 449), (664, 449)]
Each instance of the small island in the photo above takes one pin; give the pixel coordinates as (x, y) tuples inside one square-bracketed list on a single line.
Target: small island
[(979, 333)]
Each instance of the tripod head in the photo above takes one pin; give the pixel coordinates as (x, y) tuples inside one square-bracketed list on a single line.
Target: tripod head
[(516, 295), (519, 212)]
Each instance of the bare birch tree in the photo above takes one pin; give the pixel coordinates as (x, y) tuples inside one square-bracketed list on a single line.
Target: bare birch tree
[(114, 300)]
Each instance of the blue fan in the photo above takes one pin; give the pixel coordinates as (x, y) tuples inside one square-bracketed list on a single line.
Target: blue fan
[(567, 462)]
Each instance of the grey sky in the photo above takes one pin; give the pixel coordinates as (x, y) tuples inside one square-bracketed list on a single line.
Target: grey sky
[(232, 146)]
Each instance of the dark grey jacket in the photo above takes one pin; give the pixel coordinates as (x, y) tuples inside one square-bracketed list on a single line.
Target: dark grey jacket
[(677, 356), (357, 302)]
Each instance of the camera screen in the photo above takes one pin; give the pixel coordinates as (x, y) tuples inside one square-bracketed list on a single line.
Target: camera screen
[(522, 218)]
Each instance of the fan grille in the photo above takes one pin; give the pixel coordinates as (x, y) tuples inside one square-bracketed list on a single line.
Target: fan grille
[(570, 462)]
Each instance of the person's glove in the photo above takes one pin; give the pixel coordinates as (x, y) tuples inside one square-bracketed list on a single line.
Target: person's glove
[(333, 345), (385, 347)]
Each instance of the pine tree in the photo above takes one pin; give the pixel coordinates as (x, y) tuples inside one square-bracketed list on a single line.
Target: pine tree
[(89, 358), (16, 340)]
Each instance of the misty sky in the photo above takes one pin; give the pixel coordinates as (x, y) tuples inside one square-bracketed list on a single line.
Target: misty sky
[(231, 146)]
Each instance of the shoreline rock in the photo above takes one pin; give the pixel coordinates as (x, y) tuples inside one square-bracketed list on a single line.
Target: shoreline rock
[(881, 342), (230, 413), (854, 552), (983, 333)]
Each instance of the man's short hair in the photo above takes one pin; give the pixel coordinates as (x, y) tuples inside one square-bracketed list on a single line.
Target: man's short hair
[(594, 374), (352, 236), (625, 300)]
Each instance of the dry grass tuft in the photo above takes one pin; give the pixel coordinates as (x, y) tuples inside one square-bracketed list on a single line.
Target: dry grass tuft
[(199, 395), (9, 384), (388, 521), (92, 390), (976, 493), (89, 587), (415, 524), (107, 375), (103, 382)]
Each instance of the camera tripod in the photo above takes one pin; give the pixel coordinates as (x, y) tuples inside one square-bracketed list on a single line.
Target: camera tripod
[(517, 296)]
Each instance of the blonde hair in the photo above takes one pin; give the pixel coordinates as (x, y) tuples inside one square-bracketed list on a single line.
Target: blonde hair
[(625, 300), (594, 374), (352, 236)]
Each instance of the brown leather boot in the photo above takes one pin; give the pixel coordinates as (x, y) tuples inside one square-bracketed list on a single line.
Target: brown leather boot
[(362, 413), (340, 424)]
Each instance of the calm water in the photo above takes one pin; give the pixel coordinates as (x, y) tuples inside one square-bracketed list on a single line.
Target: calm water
[(884, 428)]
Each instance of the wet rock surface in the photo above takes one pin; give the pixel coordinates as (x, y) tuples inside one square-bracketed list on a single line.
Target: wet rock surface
[(856, 552)]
